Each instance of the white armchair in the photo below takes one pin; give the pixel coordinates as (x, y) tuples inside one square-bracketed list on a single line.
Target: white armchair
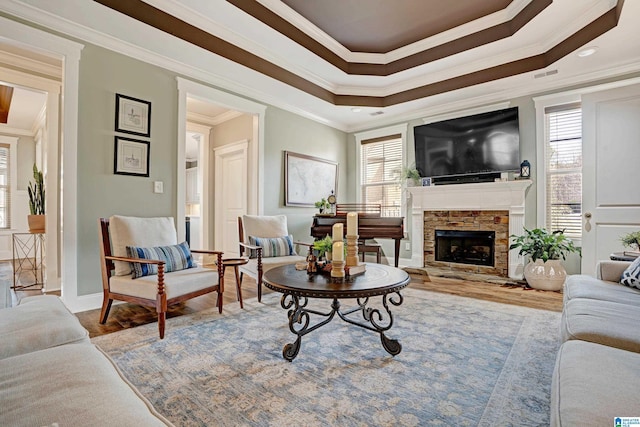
[(143, 263), (268, 244)]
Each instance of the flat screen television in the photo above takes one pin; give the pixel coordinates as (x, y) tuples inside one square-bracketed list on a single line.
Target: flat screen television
[(467, 149)]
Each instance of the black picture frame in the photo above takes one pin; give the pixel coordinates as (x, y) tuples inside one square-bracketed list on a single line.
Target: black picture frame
[(131, 157), (133, 115)]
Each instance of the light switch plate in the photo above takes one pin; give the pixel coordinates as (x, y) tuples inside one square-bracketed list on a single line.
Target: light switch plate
[(158, 187)]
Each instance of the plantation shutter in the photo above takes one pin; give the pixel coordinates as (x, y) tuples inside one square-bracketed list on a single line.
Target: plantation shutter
[(381, 166), (5, 195), (564, 169)]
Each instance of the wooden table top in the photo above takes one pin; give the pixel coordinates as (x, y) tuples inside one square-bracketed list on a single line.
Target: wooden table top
[(379, 279)]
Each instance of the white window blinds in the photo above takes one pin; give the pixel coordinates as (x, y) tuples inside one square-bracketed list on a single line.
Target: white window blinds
[(5, 196), (381, 166), (564, 169)]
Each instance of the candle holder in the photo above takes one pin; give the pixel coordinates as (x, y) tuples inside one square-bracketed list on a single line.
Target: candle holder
[(352, 250), (337, 268)]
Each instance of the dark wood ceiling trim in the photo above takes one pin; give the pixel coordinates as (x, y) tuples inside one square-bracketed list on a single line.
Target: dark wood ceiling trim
[(162, 21), (596, 28), (149, 15), (471, 41), (6, 93)]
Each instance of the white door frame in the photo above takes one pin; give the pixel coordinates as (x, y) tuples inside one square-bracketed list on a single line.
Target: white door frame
[(204, 174), (219, 154), (589, 257), (69, 51), (189, 89)]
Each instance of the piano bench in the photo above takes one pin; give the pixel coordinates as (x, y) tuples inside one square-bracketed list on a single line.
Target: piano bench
[(364, 248)]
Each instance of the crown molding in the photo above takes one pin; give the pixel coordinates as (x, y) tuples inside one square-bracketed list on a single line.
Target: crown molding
[(213, 121), (4, 129), (31, 65)]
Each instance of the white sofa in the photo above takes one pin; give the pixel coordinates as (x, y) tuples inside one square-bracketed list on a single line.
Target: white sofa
[(597, 368), (51, 374)]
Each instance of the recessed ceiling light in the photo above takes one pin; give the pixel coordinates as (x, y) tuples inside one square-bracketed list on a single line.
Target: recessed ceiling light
[(356, 109), (587, 51)]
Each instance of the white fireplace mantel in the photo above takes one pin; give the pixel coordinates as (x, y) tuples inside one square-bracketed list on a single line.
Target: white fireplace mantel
[(502, 195)]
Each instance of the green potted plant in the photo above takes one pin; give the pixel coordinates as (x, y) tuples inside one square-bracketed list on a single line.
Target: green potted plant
[(36, 193), (322, 204), (324, 246), (631, 240), (545, 249), (410, 175)]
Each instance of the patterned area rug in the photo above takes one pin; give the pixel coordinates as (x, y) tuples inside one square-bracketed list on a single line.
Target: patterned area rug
[(464, 362)]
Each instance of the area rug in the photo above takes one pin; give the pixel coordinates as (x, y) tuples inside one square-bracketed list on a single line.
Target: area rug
[(464, 362)]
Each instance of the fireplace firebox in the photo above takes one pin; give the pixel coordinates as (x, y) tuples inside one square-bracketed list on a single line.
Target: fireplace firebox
[(465, 247)]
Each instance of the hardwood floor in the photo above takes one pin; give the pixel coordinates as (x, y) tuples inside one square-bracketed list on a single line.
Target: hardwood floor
[(125, 316)]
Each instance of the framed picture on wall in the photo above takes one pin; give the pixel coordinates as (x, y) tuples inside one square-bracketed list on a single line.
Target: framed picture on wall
[(308, 179), (131, 157), (133, 115)]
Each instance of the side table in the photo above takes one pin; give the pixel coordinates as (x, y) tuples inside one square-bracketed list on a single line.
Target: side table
[(235, 263), (28, 260)]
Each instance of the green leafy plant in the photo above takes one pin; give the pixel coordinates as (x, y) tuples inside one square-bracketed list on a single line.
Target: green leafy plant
[(36, 193), (323, 245), (631, 240), (540, 244), (322, 204), (410, 173)]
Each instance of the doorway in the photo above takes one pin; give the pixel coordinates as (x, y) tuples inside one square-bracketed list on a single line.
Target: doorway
[(251, 115)]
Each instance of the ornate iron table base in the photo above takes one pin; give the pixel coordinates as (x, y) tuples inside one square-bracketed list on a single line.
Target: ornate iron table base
[(376, 320)]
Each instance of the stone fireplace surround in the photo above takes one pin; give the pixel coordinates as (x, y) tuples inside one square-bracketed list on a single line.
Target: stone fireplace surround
[(492, 196)]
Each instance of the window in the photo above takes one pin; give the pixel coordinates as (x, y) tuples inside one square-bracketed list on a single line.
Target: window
[(381, 166), (563, 161), (5, 190)]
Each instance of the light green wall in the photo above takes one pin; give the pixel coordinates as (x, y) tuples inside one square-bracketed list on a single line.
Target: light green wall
[(285, 131), (101, 193), (26, 159)]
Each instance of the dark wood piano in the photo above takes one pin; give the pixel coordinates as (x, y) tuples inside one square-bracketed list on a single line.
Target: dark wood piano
[(370, 226)]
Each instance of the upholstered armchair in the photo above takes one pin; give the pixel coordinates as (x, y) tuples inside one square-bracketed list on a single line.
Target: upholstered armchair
[(268, 244), (142, 263)]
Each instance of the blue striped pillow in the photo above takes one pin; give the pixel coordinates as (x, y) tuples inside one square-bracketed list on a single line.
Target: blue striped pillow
[(631, 276), (176, 257), (272, 246)]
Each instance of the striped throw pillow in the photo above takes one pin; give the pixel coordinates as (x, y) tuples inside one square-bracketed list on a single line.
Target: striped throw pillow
[(631, 276), (273, 246), (176, 257)]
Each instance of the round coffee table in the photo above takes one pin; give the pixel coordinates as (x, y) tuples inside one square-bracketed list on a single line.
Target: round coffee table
[(297, 286)]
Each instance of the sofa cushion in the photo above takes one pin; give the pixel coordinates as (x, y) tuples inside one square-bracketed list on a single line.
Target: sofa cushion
[(592, 384), (583, 286), (70, 385), (176, 284), (602, 322), (137, 231), (37, 323), (631, 276), (264, 226), (176, 257), (272, 246)]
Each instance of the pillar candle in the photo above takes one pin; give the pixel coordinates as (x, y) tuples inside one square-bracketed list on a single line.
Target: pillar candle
[(338, 229), (338, 251), (352, 224)]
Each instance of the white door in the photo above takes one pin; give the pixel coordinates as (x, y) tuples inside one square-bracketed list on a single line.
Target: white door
[(611, 150), (230, 194)]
